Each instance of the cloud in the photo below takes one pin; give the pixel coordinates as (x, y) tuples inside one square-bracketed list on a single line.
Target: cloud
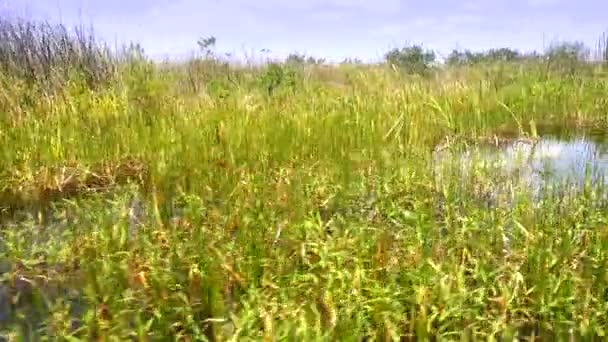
[(401, 28), (543, 3), (484, 5), (472, 5), (384, 6), (442, 23), (329, 11)]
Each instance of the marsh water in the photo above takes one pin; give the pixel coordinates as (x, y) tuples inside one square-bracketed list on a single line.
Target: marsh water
[(552, 164)]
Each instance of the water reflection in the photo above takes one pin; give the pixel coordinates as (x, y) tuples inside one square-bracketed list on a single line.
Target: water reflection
[(554, 161), (538, 167)]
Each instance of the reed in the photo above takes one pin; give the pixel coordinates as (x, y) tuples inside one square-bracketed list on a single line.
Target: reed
[(179, 202)]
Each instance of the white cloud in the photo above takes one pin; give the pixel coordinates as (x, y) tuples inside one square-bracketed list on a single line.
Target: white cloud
[(320, 6), (542, 3), (483, 5), (472, 5), (428, 23)]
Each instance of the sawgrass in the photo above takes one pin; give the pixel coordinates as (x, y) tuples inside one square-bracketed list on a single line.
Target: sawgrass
[(158, 207)]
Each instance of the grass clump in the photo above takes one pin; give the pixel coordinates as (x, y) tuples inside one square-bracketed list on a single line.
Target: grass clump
[(46, 54), (269, 203)]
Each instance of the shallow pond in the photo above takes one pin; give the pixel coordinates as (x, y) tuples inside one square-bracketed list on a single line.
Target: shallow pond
[(548, 165)]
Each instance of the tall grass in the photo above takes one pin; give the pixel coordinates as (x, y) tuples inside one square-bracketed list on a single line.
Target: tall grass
[(191, 203), (39, 52)]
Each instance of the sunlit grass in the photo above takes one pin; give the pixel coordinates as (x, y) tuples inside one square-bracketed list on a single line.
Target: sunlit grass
[(308, 213)]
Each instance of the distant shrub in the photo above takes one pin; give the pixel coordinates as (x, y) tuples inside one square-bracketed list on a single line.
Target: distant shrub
[(467, 57), (219, 88), (298, 59), (412, 59), (566, 57), (278, 76), (568, 51)]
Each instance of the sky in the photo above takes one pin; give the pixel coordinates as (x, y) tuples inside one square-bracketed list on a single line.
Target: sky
[(334, 29)]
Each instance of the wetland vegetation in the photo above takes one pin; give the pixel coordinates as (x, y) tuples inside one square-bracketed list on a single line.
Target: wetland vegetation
[(143, 200)]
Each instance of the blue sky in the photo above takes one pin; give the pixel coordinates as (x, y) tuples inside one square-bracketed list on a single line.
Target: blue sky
[(330, 28)]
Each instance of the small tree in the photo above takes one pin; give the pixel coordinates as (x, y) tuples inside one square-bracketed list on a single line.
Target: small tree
[(206, 45), (456, 57), (354, 61), (301, 59), (295, 59), (568, 51), (413, 59), (210, 67), (467, 57), (566, 56), (313, 60), (502, 54)]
